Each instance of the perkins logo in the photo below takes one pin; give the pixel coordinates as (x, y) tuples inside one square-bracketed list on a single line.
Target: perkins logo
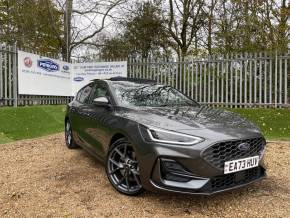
[(65, 67), (48, 65), (78, 79)]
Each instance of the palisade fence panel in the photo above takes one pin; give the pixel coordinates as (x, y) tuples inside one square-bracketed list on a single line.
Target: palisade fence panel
[(236, 80), (9, 85), (8, 75)]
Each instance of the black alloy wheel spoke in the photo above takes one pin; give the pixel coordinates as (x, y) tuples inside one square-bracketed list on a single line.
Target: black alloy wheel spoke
[(120, 153), (125, 150), (115, 170), (136, 179), (115, 163), (120, 181), (127, 182)]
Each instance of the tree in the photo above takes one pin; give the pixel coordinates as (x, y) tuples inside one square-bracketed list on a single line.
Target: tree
[(83, 20), (281, 15), (251, 26), (143, 34), (144, 30), (210, 25), (26, 23), (184, 19), (116, 48)]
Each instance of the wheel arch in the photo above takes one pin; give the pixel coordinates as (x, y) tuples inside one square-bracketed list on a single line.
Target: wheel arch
[(116, 136)]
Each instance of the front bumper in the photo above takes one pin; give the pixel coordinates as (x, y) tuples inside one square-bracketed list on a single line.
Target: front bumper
[(190, 172), (182, 181)]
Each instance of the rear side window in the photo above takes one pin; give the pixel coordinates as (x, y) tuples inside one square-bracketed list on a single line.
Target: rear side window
[(83, 95), (79, 95), (100, 90)]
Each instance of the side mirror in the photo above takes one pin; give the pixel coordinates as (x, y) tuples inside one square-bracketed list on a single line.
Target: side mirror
[(101, 101)]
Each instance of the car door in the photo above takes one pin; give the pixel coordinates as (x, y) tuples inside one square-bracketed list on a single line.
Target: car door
[(95, 122), (78, 114)]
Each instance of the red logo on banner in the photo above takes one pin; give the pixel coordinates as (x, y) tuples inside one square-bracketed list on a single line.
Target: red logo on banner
[(27, 62)]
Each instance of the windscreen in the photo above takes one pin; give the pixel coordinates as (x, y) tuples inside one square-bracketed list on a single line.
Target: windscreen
[(151, 95)]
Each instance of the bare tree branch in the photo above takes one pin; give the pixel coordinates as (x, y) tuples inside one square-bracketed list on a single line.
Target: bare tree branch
[(83, 40)]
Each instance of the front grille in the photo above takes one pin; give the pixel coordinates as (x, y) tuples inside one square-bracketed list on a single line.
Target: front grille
[(219, 153), (234, 179)]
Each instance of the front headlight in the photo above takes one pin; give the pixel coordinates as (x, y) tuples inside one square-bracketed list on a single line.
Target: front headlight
[(154, 134)]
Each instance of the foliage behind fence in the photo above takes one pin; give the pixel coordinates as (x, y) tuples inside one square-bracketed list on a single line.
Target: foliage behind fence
[(242, 80)]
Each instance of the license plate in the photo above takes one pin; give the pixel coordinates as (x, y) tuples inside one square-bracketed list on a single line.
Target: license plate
[(241, 164)]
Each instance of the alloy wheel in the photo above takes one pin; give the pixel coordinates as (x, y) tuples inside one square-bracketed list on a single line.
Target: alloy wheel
[(123, 169), (69, 140)]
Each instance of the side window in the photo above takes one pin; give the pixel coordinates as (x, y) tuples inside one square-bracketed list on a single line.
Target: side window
[(84, 94), (100, 90), (79, 95)]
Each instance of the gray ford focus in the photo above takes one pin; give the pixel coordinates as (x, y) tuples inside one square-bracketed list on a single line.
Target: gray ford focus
[(153, 137)]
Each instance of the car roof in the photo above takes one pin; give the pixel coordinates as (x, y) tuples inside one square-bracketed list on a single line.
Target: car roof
[(127, 79)]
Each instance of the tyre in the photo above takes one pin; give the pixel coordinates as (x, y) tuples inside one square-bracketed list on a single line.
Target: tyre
[(122, 168), (69, 140)]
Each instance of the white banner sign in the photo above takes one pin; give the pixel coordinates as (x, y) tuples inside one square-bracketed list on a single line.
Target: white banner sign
[(39, 75), (83, 73)]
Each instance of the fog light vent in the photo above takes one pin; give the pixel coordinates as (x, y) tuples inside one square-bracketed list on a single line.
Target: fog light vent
[(173, 166), (173, 171)]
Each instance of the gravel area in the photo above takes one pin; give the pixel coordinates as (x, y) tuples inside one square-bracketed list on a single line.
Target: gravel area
[(41, 178)]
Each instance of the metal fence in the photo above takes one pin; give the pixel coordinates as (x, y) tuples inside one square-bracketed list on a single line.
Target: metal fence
[(243, 80), (9, 85)]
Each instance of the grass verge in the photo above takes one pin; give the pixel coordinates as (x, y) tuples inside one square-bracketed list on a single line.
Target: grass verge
[(30, 122), (274, 123)]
